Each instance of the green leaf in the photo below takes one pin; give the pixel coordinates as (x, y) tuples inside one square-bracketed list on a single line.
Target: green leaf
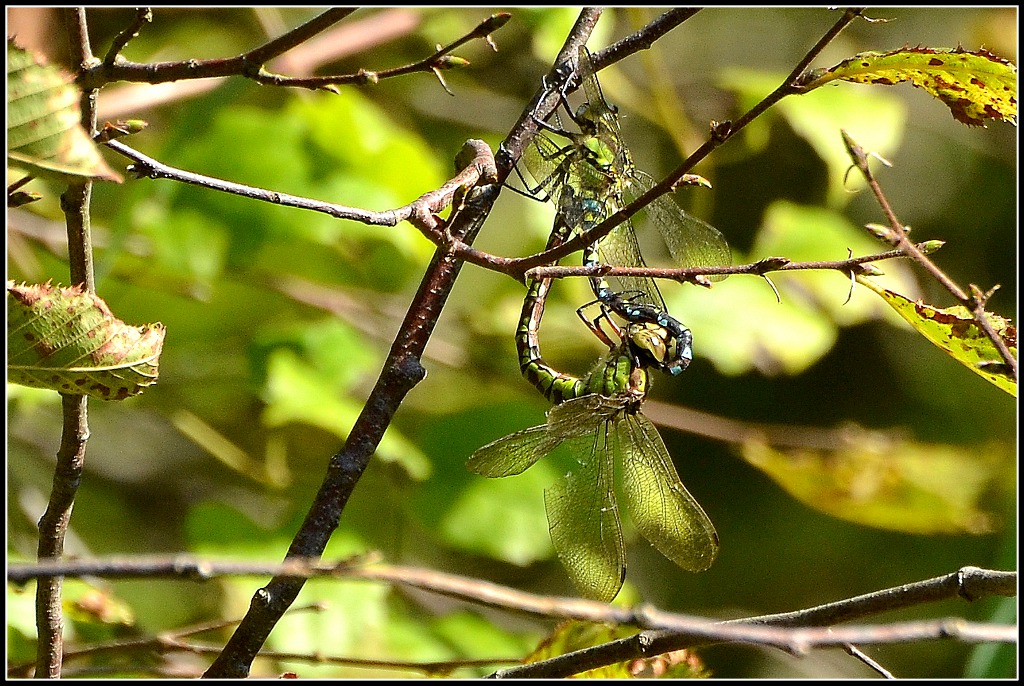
[(877, 119), (740, 324), (67, 340), (954, 330), (503, 518), (296, 392), (975, 86), (44, 132), (892, 483)]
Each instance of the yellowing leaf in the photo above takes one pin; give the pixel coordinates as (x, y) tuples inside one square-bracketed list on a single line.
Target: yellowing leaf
[(976, 86), (44, 131), (67, 340), (892, 483), (955, 331)]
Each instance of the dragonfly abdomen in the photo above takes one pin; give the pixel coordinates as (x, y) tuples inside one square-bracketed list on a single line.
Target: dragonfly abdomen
[(553, 384)]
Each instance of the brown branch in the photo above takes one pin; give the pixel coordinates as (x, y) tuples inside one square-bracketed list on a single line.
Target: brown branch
[(248, 64), (67, 474), (720, 133), (969, 583), (795, 632), (643, 38), (143, 16), (251, 64), (897, 234), (767, 265), (419, 212)]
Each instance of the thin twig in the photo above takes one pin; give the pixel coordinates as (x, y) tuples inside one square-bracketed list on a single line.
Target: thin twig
[(67, 474), (143, 16), (760, 268), (975, 302), (720, 133), (795, 632), (251, 64), (420, 212), (968, 583), (643, 38)]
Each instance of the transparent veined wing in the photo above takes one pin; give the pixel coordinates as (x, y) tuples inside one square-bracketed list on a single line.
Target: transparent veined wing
[(582, 416), (620, 248), (517, 452), (513, 454), (583, 518), (549, 164), (662, 509), (691, 241)]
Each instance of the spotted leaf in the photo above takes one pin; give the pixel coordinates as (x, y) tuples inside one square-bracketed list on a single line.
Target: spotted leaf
[(67, 340), (976, 86)]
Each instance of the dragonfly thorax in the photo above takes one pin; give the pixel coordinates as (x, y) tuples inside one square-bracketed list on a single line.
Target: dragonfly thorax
[(619, 376)]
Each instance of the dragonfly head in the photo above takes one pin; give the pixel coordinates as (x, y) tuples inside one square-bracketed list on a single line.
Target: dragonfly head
[(656, 346)]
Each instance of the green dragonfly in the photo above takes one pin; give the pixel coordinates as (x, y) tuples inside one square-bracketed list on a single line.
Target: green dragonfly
[(591, 178), (598, 417)]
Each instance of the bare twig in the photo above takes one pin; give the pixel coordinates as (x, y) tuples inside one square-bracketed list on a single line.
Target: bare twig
[(143, 16), (793, 641), (720, 133), (419, 212), (178, 641), (975, 302), (760, 268), (967, 583), (251, 64), (642, 39), (795, 632), (75, 429)]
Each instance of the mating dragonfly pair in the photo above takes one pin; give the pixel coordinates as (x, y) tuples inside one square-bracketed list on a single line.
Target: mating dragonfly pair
[(598, 416)]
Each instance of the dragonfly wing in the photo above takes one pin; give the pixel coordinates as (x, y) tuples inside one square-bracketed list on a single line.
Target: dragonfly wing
[(582, 417), (588, 79), (547, 163), (692, 242), (662, 509), (517, 452), (620, 249), (513, 454), (583, 518)]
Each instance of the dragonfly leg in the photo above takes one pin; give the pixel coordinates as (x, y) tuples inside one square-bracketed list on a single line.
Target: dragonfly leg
[(594, 324)]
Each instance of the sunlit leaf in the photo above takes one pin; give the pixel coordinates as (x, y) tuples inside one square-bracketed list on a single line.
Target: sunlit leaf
[(954, 330), (892, 483), (44, 131), (503, 518), (740, 324), (68, 340), (296, 392), (875, 117), (975, 85)]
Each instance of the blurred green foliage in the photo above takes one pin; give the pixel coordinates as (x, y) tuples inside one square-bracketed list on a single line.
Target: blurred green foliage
[(279, 320)]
